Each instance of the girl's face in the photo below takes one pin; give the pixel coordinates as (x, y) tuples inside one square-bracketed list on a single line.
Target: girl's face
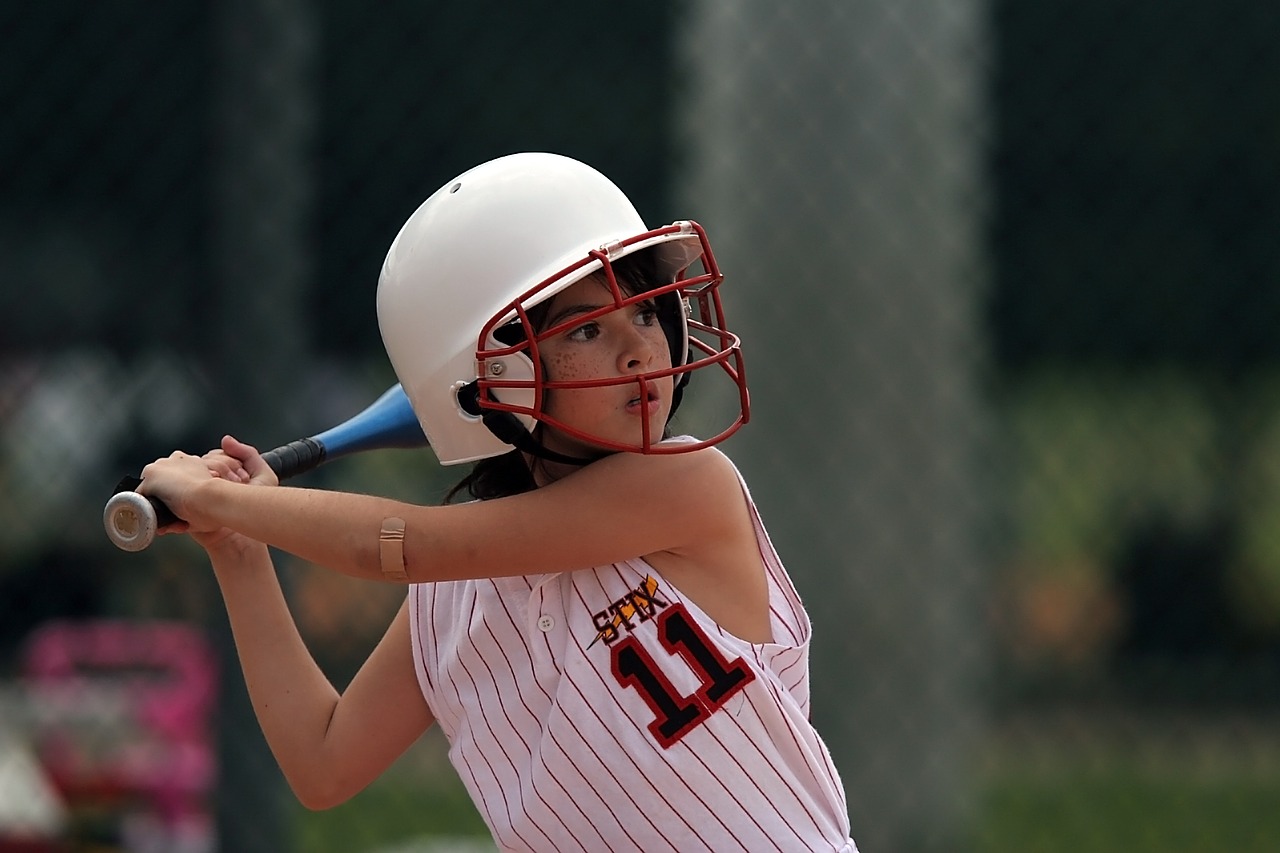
[(622, 343)]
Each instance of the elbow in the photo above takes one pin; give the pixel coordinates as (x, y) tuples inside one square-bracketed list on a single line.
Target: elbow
[(318, 805), (318, 801), (319, 794), (313, 803)]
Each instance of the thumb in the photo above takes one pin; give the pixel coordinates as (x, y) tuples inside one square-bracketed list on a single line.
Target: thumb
[(259, 471)]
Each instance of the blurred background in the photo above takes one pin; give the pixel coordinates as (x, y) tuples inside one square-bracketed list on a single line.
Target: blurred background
[(1007, 296)]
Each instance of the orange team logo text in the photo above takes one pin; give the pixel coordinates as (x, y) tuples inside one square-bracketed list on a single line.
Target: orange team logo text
[(641, 603)]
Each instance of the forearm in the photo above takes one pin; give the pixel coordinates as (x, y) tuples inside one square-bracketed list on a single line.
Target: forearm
[(293, 700), (335, 530), (589, 518)]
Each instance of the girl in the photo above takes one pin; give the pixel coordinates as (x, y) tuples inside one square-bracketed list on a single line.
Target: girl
[(611, 645)]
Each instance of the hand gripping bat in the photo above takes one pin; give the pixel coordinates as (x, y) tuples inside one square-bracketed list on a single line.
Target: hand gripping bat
[(132, 519)]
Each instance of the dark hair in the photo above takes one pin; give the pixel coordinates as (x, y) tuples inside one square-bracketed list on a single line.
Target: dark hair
[(509, 474), (495, 477)]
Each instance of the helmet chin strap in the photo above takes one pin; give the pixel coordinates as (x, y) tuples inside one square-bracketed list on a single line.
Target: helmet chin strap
[(508, 429)]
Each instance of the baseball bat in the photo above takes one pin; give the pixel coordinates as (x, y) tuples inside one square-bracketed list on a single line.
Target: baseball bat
[(132, 519)]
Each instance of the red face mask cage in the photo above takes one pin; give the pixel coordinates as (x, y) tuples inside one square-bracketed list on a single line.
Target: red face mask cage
[(709, 344)]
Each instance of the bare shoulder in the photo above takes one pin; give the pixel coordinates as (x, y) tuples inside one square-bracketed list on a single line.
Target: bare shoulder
[(704, 471), (715, 561), (700, 486), (620, 507)]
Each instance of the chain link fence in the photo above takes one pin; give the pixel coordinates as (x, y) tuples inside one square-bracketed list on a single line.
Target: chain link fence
[(1006, 282)]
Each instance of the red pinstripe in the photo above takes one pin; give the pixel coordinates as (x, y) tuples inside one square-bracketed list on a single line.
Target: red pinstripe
[(557, 752)]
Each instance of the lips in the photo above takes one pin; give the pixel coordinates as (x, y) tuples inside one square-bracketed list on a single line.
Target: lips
[(648, 401)]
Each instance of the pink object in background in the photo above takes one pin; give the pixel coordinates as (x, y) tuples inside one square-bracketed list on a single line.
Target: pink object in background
[(124, 724)]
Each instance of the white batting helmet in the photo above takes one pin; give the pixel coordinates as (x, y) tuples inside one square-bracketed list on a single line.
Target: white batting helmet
[(499, 239)]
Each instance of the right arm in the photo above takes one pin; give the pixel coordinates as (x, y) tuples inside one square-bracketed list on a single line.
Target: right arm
[(328, 745)]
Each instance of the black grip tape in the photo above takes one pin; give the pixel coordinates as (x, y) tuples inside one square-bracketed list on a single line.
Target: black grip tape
[(296, 457)]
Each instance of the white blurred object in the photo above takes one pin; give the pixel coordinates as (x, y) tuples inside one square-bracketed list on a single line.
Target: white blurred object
[(63, 425), (30, 807), (64, 419)]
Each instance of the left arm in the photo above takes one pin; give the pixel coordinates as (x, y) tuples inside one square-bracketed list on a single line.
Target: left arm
[(622, 506)]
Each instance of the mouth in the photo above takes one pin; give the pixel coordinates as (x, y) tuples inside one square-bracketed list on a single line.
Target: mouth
[(647, 403)]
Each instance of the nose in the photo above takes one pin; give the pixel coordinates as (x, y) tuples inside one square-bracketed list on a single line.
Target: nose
[(637, 352)]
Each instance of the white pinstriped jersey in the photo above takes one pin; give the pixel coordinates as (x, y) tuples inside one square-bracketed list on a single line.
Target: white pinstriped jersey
[(601, 710)]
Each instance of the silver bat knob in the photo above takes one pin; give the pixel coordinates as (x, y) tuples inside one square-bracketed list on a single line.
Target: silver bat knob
[(130, 520)]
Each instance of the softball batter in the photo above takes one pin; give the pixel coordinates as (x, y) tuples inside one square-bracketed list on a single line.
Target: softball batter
[(596, 618)]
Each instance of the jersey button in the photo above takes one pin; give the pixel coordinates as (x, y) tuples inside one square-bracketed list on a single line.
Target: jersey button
[(546, 623)]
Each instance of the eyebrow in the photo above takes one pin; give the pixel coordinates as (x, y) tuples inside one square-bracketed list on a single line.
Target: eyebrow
[(569, 310)]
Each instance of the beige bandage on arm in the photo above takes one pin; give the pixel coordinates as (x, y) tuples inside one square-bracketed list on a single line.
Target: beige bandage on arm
[(391, 549)]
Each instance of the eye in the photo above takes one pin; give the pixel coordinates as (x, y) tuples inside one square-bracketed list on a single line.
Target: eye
[(647, 315), (585, 332)]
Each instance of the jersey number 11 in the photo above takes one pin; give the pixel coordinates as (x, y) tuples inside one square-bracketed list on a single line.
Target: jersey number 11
[(677, 715)]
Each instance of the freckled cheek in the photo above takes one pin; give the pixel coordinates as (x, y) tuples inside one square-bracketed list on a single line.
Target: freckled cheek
[(565, 403), (565, 368)]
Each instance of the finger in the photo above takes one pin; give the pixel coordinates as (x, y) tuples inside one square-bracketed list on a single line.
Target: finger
[(237, 449), (151, 468), (259, 471), (225, 466), (178, 526), (235, 473)]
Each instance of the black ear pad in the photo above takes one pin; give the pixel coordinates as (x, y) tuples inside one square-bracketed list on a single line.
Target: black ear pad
[(670, 309), (671, 315), (677, 395), (469, 399), (510, 334)]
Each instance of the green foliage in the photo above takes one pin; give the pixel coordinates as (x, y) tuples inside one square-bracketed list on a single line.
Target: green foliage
[(1101, 779), (1094, 457), (1102, 811), (1090, 453), (391, 812)]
